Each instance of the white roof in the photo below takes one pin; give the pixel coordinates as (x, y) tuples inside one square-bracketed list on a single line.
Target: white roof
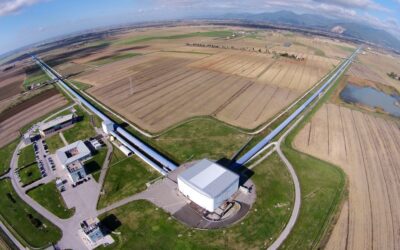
[(55, 122), (72, 152), (208, 178)]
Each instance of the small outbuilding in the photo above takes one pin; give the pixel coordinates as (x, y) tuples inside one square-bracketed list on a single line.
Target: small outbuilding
[(208, 184)]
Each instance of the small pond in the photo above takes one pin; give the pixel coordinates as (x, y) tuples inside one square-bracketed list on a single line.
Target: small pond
[(371, 97)]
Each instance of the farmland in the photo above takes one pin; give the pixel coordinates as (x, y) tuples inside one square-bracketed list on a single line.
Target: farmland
[(25, 113), (367, 148), (374, 66), (175, 82)]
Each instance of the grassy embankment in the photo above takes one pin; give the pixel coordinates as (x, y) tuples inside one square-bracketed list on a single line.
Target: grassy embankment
[(126, 176), (145, 227), (6, 154), (50, 198), (25, 223)]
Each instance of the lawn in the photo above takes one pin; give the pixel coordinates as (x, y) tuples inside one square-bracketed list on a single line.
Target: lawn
[(50, 198), (113, 58), (80, 85), (322, 186), (145, 227), (94, 165), (29, 174), (6, 153), (81, 130), (129, 176), (54, 142), (202, 138), (37, 77), (138, 39), (26, 157), (322, 190), (28, 225)]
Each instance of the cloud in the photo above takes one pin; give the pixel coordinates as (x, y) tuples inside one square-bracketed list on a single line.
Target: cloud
[(357, 4), (8, 7)]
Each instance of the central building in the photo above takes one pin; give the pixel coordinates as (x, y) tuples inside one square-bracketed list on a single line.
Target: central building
[(208, 184)]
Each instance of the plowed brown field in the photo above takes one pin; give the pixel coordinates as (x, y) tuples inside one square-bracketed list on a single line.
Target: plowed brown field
[(368, 149), (9, 128), (245, 89)]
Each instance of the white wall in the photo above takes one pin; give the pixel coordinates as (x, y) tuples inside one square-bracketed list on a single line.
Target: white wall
[(198, 198)]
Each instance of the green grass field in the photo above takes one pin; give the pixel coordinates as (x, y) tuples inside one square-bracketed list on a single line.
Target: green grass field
[(54, 142), (94, 165), (144, 227), (6, 153), (323, 188), (37, 77), (26, 157), (81, 130), (202, 138), (113, 58), (81, 85), (28, 225), (29, 174), (50, 198), (138, 39), (125, 178)]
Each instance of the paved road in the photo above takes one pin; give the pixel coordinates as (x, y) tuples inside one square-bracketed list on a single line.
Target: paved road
[(106, 163), (297, 191), (69, 227)]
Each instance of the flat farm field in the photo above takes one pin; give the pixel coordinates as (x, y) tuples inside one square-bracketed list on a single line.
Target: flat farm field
[(17, 117), (180, 79), (368, 150)]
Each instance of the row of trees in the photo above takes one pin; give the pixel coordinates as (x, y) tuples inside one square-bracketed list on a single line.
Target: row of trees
[(215, 46), (393, 75), (257, 50)]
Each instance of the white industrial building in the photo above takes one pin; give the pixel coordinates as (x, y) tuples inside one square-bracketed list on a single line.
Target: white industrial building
[(76, 151), (71, 157), (208, 184)]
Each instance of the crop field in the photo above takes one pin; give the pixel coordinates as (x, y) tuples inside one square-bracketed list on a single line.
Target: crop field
[(367, 148), (9, 128), (375, 66), (242, 88)]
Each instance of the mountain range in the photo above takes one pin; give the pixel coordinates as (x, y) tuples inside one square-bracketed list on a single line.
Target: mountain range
[(343, 27)]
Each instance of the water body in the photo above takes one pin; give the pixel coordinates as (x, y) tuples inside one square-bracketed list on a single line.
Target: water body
[(372, 98)]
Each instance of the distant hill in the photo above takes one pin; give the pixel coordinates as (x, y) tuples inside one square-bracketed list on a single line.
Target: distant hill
[(348, 28)]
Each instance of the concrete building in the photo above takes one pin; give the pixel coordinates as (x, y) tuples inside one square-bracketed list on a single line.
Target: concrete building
[(56, 124), (208, 184), (94, 234), (71, 157), (76, 171), (76, 151)]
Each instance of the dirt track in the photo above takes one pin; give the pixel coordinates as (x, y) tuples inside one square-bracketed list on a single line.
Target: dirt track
[(368, 149)]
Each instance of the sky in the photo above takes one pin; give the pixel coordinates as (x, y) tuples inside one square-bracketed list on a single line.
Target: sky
[(23, 22)]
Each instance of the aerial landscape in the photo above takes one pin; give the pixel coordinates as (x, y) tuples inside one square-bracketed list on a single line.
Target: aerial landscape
[(200, 125)]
